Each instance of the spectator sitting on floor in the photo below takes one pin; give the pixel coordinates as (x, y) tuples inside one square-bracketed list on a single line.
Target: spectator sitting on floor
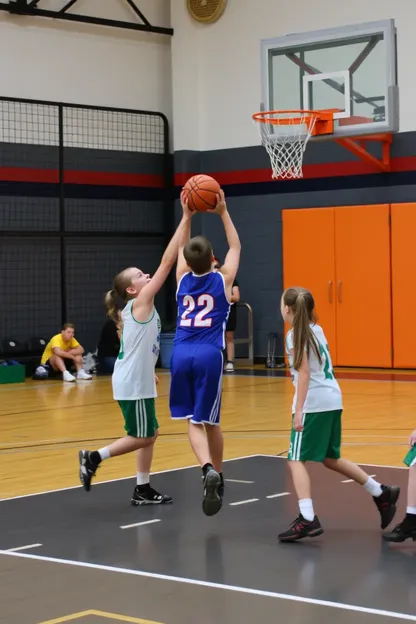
[(63, 352), (109, 346)]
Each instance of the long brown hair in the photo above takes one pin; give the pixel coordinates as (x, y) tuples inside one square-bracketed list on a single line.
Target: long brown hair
[(120, 284), (302, 304)]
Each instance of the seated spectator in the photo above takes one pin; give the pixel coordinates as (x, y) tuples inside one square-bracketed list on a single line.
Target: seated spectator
[(63, 352), (109, 346)]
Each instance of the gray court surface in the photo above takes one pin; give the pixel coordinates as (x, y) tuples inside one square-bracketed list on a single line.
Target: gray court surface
[(96, 556)]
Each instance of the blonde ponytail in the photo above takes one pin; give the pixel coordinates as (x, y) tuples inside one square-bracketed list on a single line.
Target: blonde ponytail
[(110, 304), (302, 304)]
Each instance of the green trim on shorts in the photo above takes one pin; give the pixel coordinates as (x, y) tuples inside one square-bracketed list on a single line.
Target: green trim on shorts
[(139, 418), (410, 459), (320, 438)]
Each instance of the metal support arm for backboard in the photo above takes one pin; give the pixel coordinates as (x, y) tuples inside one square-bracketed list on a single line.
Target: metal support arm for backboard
[(358, 148), (30, 8)]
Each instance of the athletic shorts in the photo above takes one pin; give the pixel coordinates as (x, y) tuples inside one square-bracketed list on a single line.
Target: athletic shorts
[(410, 459), (196, 383), (232, 319), (320, 438), (139, 418)]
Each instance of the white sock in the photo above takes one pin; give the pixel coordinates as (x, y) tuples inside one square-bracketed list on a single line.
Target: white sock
[(373, 487), (104, 453), (411, 510), (143, 478), (306, 509)]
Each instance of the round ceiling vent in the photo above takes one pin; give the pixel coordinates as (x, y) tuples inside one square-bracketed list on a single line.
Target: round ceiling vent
[(207, 11)]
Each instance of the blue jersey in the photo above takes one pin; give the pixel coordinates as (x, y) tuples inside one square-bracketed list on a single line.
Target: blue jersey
[(203, 309)]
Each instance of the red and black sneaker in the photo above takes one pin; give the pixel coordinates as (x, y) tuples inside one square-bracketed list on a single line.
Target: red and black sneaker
[(403, 531), (386, 503), (301, 528)]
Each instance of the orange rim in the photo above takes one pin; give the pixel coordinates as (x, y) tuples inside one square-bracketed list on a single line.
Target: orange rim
[(322, 121)]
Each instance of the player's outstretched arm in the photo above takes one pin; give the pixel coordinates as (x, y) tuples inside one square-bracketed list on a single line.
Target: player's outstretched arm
[(182, 267), (232, 260), (148, 293)]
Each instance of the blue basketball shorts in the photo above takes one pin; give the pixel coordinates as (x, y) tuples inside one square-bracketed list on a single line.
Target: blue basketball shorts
[(196, 383)]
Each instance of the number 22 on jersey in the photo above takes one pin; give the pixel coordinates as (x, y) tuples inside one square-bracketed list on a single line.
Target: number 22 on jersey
[(206, 305)]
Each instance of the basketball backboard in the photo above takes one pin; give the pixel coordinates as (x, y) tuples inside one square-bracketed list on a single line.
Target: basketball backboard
[(351, 69)]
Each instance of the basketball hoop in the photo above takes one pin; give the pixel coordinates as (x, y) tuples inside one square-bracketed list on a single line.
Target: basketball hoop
[(285, 134)]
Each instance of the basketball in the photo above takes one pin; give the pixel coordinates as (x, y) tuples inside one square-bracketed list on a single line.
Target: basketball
[(201, 192)]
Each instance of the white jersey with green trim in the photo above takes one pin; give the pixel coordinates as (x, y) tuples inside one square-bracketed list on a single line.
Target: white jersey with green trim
[(134, 371), (324, 393)]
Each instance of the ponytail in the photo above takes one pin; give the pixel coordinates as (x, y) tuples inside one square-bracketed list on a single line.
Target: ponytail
[(302, 304), (110, 304)]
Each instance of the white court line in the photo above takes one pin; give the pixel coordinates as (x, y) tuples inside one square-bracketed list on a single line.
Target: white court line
[(352, 480), (77, 487), (278, 495), (232, 588), (238, 481), (249, 500), (130, 526), (359, 463), (24, 547)]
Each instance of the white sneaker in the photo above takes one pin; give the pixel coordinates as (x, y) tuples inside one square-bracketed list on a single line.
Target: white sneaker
[(229, 367), (83, 375), (67, 376)]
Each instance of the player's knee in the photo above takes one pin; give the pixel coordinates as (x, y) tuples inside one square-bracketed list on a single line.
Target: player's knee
[(330, 463)]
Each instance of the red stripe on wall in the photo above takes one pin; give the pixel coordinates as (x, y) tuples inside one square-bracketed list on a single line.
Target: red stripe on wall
[(98, 178), (18, 174), (322, 170)]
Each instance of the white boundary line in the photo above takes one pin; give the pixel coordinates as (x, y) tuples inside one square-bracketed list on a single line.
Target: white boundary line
[(76, 487), (359, 463), (137, 524), (24, 547), (232, 588)]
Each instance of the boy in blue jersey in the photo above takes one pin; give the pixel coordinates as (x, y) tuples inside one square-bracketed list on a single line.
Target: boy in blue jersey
[(203, 297)]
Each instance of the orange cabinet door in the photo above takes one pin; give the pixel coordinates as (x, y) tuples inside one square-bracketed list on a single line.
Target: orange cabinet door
[(403, 262), (362, 261), (309, 261)]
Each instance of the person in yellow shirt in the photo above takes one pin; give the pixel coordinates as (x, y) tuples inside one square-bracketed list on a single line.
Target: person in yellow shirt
[(64, 350)]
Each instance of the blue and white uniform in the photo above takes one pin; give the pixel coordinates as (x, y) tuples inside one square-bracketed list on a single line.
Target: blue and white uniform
[(197, 361)]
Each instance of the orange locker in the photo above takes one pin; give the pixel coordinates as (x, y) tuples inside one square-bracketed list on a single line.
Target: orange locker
[(363, 274), (403, 253), (309, 261)]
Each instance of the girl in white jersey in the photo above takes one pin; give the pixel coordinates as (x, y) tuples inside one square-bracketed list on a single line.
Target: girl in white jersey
[(134, 381), (316, 417)]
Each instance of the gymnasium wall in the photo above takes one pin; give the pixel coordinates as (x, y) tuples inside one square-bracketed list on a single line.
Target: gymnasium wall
[(112, 187), (214, 134), (48, 59)]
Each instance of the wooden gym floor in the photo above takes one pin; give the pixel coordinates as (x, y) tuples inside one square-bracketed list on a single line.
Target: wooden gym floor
[(43, 424), (90, 558)]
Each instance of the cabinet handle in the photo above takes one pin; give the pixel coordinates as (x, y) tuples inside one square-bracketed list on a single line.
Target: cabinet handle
[(330, 291), (339, 292)]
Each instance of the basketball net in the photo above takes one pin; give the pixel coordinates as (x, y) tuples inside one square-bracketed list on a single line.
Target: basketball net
[(285, 134)]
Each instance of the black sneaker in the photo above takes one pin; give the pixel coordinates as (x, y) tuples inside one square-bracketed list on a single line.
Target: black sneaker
[(221, 488), (386, 503), (403, 531), (212, 501), (301, 528), (149, 496), (87, 469)]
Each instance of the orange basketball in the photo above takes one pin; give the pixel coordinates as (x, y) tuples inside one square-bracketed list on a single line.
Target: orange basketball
[(201, 192)]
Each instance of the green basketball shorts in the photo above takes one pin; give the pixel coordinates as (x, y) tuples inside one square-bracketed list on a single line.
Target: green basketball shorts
[(410, 459), (139, 418), (320, 438)]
